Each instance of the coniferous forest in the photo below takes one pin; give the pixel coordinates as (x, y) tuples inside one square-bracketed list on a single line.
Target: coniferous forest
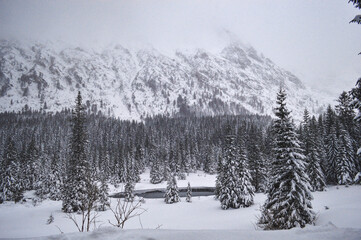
[(73, 155), (205, 119)]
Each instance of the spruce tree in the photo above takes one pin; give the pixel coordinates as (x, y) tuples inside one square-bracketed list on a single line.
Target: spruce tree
[(156, 171), (305, 133), (103, 199), (42, 185), (235, 189), (288, 201), (356, 99), (314, 170), (320, 133), (79, 183), (246, 193), (31, 169), (346, 113), (257, 164), (139, 158), (10, 185), (219, 177), (332, 154), (171, 192), (55, 181), (134, 168), (230, 191), (356, 104), (189, 193), (330, 120), (54, 176), (129, 191), (345, 166)]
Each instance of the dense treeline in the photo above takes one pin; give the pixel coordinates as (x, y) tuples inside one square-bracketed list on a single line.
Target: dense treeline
[(35, 148), (117, 150)]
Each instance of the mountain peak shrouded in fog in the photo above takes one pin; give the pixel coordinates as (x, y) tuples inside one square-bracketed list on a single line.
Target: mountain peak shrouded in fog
[(135, 83), (312, 39)]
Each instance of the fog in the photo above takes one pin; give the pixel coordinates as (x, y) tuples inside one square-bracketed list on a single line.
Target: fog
[(312, 39)]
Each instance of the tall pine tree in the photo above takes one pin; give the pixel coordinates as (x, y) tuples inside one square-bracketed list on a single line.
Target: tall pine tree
[(246, 193), (10, 186), (332, 154), (229, 191), (314, 170), (345, 167), (79, 181), (356, 104), (257, 164), (289, 198)]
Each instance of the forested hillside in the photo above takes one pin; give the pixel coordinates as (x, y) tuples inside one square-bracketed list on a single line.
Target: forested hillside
[(35, 147)]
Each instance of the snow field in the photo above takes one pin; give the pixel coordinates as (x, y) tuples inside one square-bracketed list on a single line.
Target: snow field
[(201, 219)]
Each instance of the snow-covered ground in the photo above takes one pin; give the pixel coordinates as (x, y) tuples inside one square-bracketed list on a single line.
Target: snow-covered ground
[(201, 219)]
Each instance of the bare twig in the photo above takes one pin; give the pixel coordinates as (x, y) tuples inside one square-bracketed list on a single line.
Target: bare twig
[(125, 210), (61, 232), (72, 217), (140, 222)]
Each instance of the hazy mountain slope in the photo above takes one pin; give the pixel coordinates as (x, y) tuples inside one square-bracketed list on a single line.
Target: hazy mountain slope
[(136, 83)]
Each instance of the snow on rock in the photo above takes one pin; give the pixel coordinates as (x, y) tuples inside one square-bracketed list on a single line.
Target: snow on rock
[(133, 84)]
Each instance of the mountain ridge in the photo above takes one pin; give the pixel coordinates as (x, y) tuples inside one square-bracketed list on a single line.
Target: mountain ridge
[(136, 83)]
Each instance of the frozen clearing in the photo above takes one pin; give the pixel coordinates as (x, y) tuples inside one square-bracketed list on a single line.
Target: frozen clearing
[(201, 219)]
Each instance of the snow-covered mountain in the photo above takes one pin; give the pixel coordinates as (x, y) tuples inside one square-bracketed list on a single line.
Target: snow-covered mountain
[(132, 84)]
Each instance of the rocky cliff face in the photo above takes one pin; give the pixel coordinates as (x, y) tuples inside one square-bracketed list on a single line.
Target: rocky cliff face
[(133, 84)]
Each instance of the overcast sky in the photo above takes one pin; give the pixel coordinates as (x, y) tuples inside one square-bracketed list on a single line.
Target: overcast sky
[(311, 38)]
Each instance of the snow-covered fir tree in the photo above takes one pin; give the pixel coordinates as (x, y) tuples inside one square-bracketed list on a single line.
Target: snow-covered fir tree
[(356, 104), (312, 151), (171, 192), (356, 99), (289, 198), (139, 158), (54, 177), (167, 172), (235, 187), (219, 177), (257, 163), (156, 171), (103, 199), (134, 168), (244, 182), (189, 193), (346, 113), (320, 133), (313, 158), (10, 186), (181, 156), (305, 132), (345, 167), (31, 168), (42, 185), (211, 161), (230, 190), (79, 189), (129, 191), (332, 154)]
